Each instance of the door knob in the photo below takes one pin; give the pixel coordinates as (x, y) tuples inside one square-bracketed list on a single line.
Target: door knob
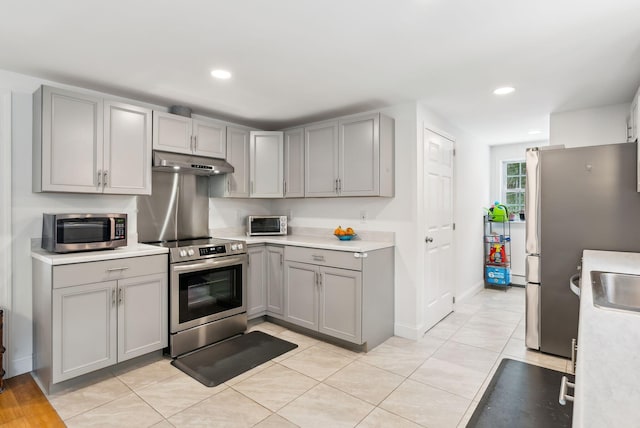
[(428, 239)]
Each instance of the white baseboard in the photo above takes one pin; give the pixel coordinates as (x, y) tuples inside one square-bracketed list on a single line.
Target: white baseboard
[(408, 332), (20, 366), (470, 292)]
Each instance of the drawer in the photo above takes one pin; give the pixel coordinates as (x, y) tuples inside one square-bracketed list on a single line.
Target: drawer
[(340, 259), (108, 270)]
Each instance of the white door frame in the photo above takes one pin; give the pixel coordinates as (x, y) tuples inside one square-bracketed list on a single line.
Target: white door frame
[(5, 218)]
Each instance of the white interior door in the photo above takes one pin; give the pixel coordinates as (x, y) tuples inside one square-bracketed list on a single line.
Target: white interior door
[(438, 211)]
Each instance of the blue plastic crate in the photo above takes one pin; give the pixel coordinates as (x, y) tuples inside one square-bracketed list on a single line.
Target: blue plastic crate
[(498, 275)]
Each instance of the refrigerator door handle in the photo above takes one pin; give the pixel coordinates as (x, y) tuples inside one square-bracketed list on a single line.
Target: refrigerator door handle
[(532, 201), (532, 316)]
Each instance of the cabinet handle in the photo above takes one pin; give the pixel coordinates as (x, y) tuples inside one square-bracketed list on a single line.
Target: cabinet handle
[(120, 296), (360, 255), (428, 239), (284, 187), (99, 178), (195, 143), (191, 143), (564, 385), (336, 185), (252, 190), (105, 178), (318, 258), (117, 269), (574, 349), (340, 185), (320, 279), (281, 259), (228, 185), (113, 297)]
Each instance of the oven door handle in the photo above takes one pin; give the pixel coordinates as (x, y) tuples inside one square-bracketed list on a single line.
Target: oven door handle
[(228, 261)]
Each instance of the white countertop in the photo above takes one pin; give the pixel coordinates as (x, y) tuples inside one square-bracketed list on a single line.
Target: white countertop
[(607, 390), (134, 250), (328, 242)]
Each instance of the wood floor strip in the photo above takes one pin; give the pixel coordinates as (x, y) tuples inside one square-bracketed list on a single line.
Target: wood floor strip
[(23, 404)]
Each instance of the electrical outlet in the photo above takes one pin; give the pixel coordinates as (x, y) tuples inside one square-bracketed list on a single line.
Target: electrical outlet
[(363, 216)]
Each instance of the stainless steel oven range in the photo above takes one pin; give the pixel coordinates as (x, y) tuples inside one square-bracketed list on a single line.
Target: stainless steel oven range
[(207, 292)]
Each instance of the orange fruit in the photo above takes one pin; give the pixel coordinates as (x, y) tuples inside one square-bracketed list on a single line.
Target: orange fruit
[(339, 231), (350, 231)]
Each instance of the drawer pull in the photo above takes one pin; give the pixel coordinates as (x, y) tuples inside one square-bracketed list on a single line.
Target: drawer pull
[(117, 269), (564, 385), (317, 258), (360, 255)]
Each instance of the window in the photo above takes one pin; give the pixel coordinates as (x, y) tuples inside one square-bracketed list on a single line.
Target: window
[(514, 181)]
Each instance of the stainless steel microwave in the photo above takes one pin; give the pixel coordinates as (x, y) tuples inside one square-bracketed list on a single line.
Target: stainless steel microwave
[(258, 225), (65, 233)]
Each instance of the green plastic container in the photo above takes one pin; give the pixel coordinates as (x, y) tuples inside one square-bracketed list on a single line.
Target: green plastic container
[(500, 213)]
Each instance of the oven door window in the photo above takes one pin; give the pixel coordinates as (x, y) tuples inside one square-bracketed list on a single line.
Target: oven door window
[(209, 292), (83, 230)]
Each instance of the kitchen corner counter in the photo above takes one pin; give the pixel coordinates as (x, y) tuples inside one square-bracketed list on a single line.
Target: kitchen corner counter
[(329, 242), (607, 372), (134, 250)]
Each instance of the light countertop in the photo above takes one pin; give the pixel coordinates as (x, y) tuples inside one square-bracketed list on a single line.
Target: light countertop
[(328, 242), (134, 250), (607, 390)]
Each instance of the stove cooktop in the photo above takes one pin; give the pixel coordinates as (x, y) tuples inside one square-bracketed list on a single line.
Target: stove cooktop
[(201, 248)]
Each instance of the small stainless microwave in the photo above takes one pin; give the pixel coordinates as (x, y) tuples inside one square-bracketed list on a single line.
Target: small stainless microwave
[(258, 225), (65, 233)]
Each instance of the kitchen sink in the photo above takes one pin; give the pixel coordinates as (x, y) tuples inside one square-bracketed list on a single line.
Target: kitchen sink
[(619, 291)]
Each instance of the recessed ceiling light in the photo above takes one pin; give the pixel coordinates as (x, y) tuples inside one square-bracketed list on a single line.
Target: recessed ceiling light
[(221, 74), (535, 132), (504, 90)]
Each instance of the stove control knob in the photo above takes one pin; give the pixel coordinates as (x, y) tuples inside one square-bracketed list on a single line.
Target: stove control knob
[(234, 247), (239, 246), (183, 253), (191, 252)]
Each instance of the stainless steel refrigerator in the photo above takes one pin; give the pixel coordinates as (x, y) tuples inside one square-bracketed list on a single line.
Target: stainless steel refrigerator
[(576, 199)]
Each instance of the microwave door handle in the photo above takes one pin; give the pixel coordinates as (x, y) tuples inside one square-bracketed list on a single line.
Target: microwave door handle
[(112, 222)]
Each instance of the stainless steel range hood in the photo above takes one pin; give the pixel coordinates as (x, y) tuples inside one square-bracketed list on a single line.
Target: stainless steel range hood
[(188, 164)]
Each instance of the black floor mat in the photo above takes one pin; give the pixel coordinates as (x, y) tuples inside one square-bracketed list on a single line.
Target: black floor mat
[(522, 395), (218, 363)]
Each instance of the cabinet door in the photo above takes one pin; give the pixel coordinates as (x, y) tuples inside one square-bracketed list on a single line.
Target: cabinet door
[(256, 281), (294, 163), (266, 158), (237, 183), (359, 156), (209, 138), (301, 294), (127, 149), (341, 304), (172, 133), (275, 280), (72, 141), (321, 159), (143, 315), (84, 329)]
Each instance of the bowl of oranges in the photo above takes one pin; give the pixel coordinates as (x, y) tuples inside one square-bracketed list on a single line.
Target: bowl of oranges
[(344, 234)]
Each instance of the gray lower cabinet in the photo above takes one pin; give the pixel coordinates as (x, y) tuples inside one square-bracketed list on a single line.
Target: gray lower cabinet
[(264, 281), (342, 294), (88, 316), (256, 281)]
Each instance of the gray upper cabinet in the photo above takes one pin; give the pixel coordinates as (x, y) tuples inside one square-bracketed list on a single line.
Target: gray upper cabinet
[(85, 144), (68, 141), (266, 157), (359, 156), (127, 149), (236, 184), (197, 136), (321, 159), (351, 157), (209, 138), (294, 163)]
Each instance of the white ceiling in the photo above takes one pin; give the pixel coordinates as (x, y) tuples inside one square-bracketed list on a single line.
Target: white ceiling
[(294, 61)]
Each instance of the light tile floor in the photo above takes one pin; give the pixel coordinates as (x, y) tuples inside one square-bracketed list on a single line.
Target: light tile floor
[(434, 382)]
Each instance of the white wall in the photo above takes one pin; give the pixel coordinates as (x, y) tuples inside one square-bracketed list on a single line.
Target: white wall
[(590, 127)]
